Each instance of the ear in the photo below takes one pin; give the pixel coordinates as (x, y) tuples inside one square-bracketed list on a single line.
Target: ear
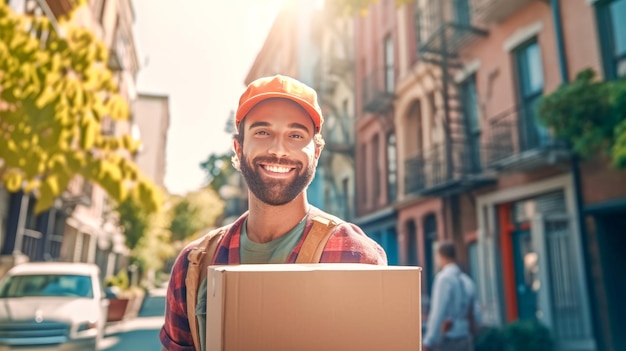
[(318, 152), (236, 147)]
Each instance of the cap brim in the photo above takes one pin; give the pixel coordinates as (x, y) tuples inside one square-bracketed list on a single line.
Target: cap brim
[(250, 103)]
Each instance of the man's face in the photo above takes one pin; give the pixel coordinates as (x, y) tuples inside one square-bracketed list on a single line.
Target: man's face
[(278, 156)]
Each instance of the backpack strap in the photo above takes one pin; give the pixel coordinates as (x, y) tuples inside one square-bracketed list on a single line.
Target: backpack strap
[(200, 257), (314, 243)]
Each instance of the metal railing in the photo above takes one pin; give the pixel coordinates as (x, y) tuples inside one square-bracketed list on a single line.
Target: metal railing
[(379, 89), (445, 26), (514, 132), (438, 167)]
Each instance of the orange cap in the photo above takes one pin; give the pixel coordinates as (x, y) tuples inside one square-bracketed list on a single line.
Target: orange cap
[(280, 86)]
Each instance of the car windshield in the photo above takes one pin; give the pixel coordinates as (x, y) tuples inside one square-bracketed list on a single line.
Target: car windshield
[(46, 285)]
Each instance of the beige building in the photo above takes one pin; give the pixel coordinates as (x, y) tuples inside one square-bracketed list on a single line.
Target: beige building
[(152, 117)]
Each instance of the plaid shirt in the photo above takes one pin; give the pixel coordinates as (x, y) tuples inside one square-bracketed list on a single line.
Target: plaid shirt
[(347, 244)]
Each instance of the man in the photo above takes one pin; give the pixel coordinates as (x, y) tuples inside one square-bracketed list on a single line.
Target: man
[(276, 149), (454, 307)]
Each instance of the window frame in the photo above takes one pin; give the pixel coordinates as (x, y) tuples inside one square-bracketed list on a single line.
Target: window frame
[(607, 40)]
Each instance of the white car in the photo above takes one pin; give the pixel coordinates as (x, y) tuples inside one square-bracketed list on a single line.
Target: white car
[(52, 306)]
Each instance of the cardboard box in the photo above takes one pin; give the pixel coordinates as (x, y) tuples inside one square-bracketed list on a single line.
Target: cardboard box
[(313, 307)]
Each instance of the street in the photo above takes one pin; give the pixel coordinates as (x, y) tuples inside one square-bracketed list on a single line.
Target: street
[(141, 333)]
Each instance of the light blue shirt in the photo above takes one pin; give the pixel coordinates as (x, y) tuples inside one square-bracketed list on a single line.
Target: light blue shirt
[(453, 292)]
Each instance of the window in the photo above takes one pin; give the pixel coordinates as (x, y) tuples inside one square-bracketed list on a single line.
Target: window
[(472, 122), (31, 217), (413, 132), (392, 168), (47, 285), (612, 28), (411, 231), (474, 268), (430, 248), (362, 175), (529, 69), (376, 167), (462, 14), (389, 65), (415, 35), (432, 104)]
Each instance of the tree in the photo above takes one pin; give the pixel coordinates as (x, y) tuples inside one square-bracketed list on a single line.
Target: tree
[(134, 221), (590, 115), (154, 247), (55, 92), (218, 168), (195, 212)]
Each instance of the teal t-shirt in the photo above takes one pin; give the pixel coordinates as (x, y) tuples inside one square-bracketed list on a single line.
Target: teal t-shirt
[(275, 251), (250, 252)]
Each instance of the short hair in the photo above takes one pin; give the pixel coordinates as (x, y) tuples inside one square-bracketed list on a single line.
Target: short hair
[(447, 250)]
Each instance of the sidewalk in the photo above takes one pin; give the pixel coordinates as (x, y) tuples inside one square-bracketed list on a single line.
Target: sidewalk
[(149, 320)]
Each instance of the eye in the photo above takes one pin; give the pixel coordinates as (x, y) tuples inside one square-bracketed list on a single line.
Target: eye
[(261, 132), (297, 136)]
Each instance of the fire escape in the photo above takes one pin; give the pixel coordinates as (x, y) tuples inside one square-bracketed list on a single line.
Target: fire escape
[(454, 164), (335, 69)]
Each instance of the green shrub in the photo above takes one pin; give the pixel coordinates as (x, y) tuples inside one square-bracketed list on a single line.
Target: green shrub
[(489, 339), (120, 280), (527, 336), (516, 336)]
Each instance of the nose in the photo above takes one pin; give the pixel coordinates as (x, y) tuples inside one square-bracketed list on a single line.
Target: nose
[(277, 148)]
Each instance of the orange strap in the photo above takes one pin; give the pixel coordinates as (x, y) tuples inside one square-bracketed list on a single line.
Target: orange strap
[(200, 257), (314, 243)]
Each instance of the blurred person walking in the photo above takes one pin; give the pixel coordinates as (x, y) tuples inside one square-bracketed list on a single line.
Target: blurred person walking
[(454, 311)]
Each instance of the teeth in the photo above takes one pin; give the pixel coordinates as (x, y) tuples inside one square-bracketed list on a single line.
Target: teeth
[(277, 169)]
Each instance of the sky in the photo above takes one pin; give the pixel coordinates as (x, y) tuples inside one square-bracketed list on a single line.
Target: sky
[(198, 52)]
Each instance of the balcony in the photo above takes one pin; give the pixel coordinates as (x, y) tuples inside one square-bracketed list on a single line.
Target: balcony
[(444, 27), (436, 172), (515, 141), (494, 11), (379, 90)]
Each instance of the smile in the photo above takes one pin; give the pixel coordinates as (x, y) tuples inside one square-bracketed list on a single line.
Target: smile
[(277, 169)]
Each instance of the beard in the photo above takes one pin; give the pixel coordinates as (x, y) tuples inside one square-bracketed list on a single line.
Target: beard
[(276, 192)]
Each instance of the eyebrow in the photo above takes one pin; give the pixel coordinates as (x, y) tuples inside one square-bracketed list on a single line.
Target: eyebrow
[(299, 126), (267, 124)]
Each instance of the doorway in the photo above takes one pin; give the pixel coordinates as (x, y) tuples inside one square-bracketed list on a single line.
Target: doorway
[(525, 264), (612, 241)]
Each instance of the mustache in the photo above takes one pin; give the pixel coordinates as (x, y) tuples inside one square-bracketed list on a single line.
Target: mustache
[(276, 161)]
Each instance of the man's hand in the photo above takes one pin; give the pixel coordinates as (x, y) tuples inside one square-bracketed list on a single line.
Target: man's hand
[(446, 326)]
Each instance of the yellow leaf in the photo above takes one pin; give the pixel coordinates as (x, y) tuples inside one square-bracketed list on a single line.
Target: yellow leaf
[(88, 131), (32, 185), (13, 180), (46, 197), (51, 183), (118, 109)]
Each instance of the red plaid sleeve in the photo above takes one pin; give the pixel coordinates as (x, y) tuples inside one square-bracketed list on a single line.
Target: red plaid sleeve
[(175, 334), (349, 244)]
